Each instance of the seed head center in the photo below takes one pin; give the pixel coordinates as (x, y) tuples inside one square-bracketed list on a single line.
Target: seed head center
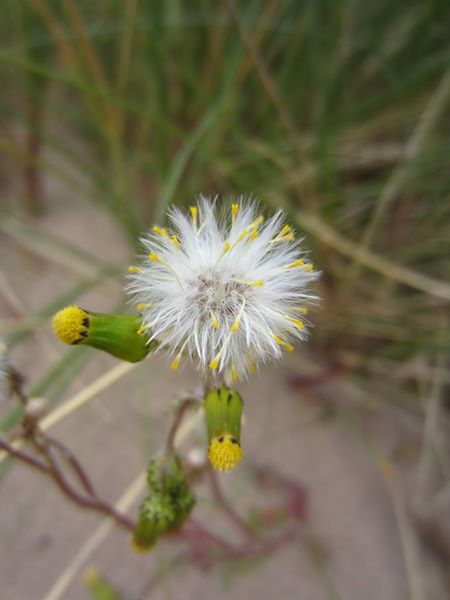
[(218, 292)]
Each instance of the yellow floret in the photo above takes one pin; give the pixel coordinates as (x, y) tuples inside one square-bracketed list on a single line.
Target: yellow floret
[(224, 452), (91, 576), (71, 324), (234, 211), (176, 362), (214, 363), (140, 546)]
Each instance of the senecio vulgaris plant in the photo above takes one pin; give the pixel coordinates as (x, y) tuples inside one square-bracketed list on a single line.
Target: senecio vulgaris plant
[(223, 288)]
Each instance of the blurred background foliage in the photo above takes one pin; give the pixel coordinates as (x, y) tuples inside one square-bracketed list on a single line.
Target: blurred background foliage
[(335, 111)]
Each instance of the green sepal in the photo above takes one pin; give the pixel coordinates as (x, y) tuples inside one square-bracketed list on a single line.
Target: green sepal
[(223, 408), (155, 516), (118, 335)]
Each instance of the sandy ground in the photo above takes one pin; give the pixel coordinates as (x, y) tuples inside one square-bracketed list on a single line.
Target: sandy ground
[(351, 512)]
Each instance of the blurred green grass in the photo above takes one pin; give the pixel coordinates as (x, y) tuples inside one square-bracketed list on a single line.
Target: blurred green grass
[(335, 111)]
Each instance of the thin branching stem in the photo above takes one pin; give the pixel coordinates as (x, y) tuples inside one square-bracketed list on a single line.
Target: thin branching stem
[(23, 456), (228, 509)]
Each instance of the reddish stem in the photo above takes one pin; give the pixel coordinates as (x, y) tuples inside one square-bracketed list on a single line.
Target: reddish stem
[(74, 463), (91, 502), (24, 456), (227, 507)]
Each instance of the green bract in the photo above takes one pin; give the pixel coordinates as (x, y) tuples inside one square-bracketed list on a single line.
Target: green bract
[(168, 505)]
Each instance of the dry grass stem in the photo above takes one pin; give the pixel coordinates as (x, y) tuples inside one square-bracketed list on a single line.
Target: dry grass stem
[(78, 400), (330, 237), (124, 503)]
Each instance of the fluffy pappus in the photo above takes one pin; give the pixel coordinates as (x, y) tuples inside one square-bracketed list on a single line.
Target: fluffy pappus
[(223, 286)]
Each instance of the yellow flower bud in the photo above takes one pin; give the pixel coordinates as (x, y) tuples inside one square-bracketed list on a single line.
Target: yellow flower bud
[(118, 335), (223, 408), (71, 324), (224, 452)]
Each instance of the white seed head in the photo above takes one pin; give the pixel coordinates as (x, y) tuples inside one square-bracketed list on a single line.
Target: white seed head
[(223, 286)]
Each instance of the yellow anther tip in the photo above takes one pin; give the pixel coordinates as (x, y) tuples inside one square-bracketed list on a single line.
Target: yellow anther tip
[(214, 364), (256, 283), (134, 269), (141, 306), (91, 576), (160, 231), (70, 324), (235, 327), (296, 263), (215, 322), (283, 344), (257, 222), (175, 364), (224, 452), (139, 546)]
